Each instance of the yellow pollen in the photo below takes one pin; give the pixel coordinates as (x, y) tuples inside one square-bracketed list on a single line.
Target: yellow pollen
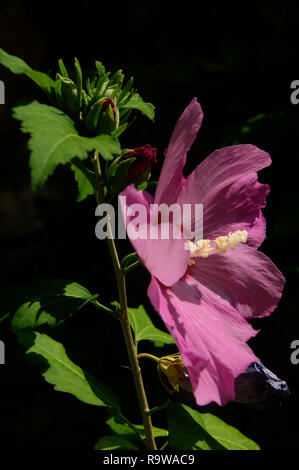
[(201, 248), (204, 249)]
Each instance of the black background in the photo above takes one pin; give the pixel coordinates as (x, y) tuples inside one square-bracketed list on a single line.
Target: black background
[(239, 62)]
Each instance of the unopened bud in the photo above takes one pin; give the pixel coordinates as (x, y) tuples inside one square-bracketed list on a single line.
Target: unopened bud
[(258, 386), (139, 171), (175, 371), (103, 117), (172, 372), (67, 94)]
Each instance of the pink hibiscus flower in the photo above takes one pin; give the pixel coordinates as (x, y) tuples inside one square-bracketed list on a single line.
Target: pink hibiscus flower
[(205, 294)]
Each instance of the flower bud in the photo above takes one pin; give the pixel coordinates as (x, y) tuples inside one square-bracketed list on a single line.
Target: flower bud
[(131, 166), (258, 386), (67, 94), (139, 171), (172, 367), (103, 117)]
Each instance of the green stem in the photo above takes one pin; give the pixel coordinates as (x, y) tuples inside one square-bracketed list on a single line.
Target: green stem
[(159, 408), (164, 445), (104, 308), (132, 426), (124, 319), (132, 266), (150, 356)]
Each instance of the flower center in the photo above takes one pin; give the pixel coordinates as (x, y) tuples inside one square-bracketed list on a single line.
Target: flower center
[(204, 249)]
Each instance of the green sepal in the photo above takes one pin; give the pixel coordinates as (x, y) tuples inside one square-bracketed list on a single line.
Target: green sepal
[(63, 69), (117, 79), (108, 121), (79, 80), (125, 92), (118, 181), (92, 118), (68, 94)]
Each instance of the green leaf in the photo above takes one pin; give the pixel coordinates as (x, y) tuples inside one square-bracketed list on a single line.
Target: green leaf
[(191, 430), (18, 66), (60, 371), (186, 431), (114, 443), (124, 430), (50, 301), (144, 329), (136, 102), (227, 435), (129, 259), (85, 188), (117, 132), (54, 140)]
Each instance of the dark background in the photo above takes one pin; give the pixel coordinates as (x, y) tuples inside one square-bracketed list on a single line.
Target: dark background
[(239, 62)]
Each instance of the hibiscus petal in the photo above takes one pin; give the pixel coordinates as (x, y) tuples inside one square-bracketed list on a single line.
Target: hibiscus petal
[(183, 135), (210, 335), (237, 207), (245, 277), (226, 184), (165, 258), (135, 197)]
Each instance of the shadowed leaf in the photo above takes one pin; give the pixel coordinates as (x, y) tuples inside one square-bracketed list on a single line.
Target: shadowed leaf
[(18, 66), (191, 430), (49, 301), (60, 371), (54, 140)]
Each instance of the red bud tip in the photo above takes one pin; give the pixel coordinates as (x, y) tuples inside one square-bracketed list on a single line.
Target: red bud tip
[(145, 157), (106, 103)]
